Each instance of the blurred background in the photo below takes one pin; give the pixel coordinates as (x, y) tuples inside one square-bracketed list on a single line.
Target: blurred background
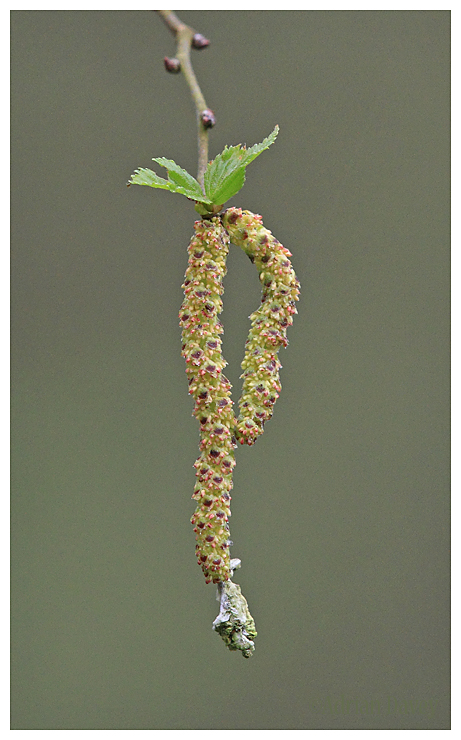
[(341, 510)]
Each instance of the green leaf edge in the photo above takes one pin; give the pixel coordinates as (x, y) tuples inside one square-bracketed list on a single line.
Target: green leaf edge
[(225, 175), (179, 180)]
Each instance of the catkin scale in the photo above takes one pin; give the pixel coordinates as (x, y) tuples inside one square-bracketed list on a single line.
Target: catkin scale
[(210, 389), (280, 291)]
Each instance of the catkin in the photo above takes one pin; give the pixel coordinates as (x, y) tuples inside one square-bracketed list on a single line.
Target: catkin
[(201, 330), (280, 291)]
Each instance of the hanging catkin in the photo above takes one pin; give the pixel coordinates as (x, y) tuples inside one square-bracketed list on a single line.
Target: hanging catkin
[(201, 330), (261, 381)]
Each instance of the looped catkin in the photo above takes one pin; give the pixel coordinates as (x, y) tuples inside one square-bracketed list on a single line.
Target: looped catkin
[(261, 381), (201, 329)]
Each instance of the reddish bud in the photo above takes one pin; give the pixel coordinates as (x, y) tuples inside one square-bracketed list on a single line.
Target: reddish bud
[(199, 41), (208, 118), (172, 65)]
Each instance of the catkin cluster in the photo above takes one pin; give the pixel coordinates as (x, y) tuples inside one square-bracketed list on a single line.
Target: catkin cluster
[(280, 291), (211, 390), (201, 330)]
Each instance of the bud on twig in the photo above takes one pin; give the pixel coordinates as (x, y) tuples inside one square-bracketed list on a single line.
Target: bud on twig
[(208, 119), (172, 65), (199, 41)]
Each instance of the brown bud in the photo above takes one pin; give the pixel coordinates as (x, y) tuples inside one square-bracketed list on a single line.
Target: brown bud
[(199, 41), (208, 118), (172, 65)]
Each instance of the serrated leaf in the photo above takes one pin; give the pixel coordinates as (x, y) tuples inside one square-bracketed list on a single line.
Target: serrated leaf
[(229, 186), (179, 181), (225, 175), (144, 176), (183, 181), (220, 169), (255, 150)]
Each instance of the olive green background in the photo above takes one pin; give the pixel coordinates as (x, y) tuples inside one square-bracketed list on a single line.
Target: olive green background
[(341, 510)]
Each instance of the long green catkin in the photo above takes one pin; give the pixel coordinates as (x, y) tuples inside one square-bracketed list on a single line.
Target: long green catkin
[(201, 329), (261, 381)]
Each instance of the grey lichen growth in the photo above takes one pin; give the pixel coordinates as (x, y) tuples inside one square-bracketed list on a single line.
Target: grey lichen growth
[(234, 622)]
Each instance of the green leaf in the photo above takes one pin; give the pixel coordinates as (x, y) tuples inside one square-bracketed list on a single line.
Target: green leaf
[(179, 181), (255, 150), (225, 175), (143, 176), (223, 178), (230, 184), (183, 182)]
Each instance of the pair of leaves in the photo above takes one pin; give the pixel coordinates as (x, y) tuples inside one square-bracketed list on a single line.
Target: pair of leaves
[(223, 178)]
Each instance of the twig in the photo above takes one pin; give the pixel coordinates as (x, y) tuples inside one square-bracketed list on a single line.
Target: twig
[(234, 622), (186, 38)]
